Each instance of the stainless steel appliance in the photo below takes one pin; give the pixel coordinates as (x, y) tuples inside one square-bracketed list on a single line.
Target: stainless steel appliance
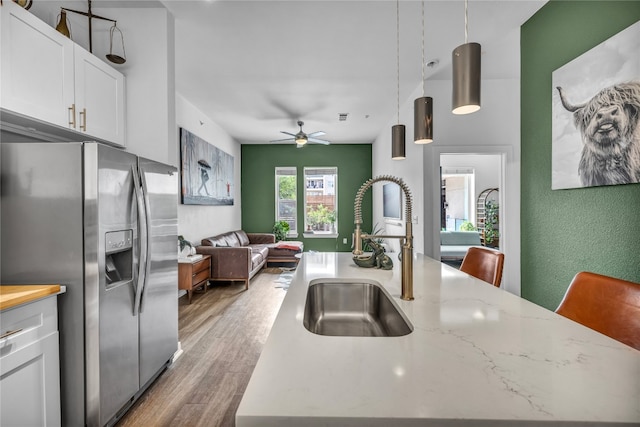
[(103, 222)]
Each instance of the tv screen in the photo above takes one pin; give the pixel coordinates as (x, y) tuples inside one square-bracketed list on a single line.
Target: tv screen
[(392, 201)]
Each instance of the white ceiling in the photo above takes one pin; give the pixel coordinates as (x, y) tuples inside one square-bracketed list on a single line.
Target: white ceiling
[(256, 67)]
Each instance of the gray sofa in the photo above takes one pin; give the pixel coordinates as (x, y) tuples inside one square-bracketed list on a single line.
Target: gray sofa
[(454, 244)]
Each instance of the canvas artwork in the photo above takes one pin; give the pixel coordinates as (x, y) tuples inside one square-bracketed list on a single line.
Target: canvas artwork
[(596, 115), (207, 172)]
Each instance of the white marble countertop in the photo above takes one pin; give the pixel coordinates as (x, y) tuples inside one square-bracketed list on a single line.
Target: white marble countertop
[(478, 355)]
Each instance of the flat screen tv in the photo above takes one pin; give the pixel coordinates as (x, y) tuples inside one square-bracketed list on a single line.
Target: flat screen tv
[(392, 201)]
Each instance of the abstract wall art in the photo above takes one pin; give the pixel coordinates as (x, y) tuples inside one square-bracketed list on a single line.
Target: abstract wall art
[(206, 172)]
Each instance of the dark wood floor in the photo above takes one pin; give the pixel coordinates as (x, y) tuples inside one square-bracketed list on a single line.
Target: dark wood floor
[(222, 333)]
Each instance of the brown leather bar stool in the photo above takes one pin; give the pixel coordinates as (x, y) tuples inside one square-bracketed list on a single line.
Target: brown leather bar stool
[(608, 305), (484, 263)]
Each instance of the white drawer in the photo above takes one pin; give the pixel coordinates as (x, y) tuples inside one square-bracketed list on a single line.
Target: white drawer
[(25, 324)]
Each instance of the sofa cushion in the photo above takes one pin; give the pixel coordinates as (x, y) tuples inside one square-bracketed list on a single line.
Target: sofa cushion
[(263, 250), (256, 260), (215, 241), (242, 237), (285, 249), (458, 238)]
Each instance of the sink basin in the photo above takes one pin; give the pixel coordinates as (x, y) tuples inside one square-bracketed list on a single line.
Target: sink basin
[(361, 308)]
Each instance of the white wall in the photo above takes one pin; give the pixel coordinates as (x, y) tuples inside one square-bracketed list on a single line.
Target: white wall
[(410, 170), (495, 129), (196, 222)]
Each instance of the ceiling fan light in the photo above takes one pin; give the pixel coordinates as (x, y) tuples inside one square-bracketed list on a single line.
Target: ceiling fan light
[(466, 79), (423, 120), (301, 138), (398, 142)]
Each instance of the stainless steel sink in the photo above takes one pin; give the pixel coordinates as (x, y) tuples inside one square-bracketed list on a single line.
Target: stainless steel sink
[(339, 307)]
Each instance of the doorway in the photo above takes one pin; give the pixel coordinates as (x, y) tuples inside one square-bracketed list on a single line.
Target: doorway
[(464, 179)]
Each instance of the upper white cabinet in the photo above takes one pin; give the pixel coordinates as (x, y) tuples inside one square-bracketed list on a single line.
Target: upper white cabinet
[(99, 97), (47, 77)]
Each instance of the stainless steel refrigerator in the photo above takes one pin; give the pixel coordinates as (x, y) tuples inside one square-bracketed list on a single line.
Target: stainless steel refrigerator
[(102, 222)]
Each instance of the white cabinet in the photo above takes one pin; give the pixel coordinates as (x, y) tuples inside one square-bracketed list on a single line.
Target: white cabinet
[(29, 365), (37, 67), (99, 97), (47, 77)]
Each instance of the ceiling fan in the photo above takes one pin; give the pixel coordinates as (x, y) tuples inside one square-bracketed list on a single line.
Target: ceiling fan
[(302, 138)]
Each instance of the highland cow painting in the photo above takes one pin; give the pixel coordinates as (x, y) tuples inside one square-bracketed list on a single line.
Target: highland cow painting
[(596, 115), (207, 172)]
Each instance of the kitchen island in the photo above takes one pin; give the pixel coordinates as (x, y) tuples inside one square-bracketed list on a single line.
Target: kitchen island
[(477, 356)]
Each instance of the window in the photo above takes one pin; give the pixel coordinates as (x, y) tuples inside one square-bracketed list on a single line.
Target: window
[(286, 205), (321, 201), (458, 204)]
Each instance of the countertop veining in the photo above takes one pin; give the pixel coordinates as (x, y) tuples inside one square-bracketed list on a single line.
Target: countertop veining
[(478, 355)]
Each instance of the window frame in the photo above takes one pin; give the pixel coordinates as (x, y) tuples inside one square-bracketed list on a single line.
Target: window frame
[(323, 187), (293, 171)]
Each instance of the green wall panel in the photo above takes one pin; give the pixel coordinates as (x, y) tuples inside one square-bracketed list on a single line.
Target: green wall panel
[(566, 231), (258, 186)]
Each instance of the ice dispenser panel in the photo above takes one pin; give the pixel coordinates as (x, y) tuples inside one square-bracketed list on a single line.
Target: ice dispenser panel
[(118, 261)]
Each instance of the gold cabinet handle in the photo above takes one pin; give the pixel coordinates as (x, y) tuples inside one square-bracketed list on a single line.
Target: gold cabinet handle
[(9, 333), (83, 116), (72, 114)]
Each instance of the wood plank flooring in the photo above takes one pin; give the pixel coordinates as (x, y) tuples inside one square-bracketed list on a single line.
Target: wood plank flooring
[(222, 333)]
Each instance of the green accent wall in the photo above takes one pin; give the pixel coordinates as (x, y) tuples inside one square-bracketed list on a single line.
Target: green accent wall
[(258, 166), (566, 231)]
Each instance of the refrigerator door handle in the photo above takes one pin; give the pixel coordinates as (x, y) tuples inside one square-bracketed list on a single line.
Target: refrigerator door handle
[(142, 240), (147, 225)]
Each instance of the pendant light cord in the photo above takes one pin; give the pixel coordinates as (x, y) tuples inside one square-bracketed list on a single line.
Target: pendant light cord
[(423, 64), (466, 23), (398, 53)]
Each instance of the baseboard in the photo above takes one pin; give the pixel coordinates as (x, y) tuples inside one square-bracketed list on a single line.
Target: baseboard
[(177, 354)]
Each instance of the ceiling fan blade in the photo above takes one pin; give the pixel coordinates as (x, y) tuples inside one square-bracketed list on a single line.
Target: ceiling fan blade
[(314, 134), (319, 141), (283, 140), (288, 133)]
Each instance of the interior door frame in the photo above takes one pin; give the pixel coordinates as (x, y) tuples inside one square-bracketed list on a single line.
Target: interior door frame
[(507, 246)]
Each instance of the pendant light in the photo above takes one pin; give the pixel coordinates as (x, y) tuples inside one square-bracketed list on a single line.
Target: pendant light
[(398, 131), (423, 107), (466, 74)]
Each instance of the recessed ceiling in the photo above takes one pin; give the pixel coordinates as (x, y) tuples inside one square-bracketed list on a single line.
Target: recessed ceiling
[(257, 67)]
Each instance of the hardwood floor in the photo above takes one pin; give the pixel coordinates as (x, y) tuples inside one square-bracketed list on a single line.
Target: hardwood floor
[(222, 333)]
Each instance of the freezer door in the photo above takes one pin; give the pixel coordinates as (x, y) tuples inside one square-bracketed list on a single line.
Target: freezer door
[(159, 299), (111, 251)]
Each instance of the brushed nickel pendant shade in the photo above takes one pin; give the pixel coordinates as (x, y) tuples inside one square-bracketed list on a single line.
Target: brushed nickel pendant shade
[(466, 79), (398, 142), (423, 120), (465, 59), (423, 107)]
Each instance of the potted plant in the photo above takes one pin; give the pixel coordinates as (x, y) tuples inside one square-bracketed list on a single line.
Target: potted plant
[(467, 226), (332, 220), (281, 230), (491, 233), (186, 248), (375, 231)]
